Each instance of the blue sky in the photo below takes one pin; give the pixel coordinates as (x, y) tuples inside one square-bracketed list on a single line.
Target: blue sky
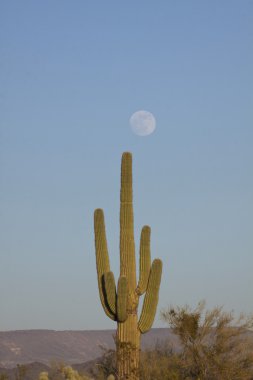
[(72, 73)]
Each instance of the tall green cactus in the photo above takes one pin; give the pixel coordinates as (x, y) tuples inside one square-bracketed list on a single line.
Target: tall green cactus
[(120, 302)]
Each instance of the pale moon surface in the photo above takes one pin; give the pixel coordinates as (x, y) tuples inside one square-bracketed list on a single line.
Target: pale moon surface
[(143, 123)]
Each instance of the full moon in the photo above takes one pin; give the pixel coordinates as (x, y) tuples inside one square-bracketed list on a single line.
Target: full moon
[(142, 123)]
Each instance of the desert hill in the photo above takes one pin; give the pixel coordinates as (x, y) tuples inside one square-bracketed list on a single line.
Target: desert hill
[(70, 347)]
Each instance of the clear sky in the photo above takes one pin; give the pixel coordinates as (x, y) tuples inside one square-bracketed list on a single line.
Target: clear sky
[(72, 73)]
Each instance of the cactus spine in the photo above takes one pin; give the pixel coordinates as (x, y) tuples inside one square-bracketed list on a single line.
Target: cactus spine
[(121, 303)]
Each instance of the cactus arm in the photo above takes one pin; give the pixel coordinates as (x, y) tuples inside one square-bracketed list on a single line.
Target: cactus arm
[(122, 293), (151, 297), (145, 260), (102, 258), (110, 291)]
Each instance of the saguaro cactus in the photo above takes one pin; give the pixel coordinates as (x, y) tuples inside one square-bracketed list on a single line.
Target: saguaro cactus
[(121, 303)]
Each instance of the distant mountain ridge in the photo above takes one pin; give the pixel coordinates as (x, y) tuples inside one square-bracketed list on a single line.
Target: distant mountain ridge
[(70, 347)]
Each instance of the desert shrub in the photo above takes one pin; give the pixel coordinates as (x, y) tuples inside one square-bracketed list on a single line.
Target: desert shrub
[(62, 372), (161, 363), (106, 365), (214, 343), (70, 374), (21, 372), (43, 376), (3, 376)]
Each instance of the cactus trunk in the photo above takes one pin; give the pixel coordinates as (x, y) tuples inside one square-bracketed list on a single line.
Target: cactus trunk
[(128, 335), (121, 304), (128, 349)]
